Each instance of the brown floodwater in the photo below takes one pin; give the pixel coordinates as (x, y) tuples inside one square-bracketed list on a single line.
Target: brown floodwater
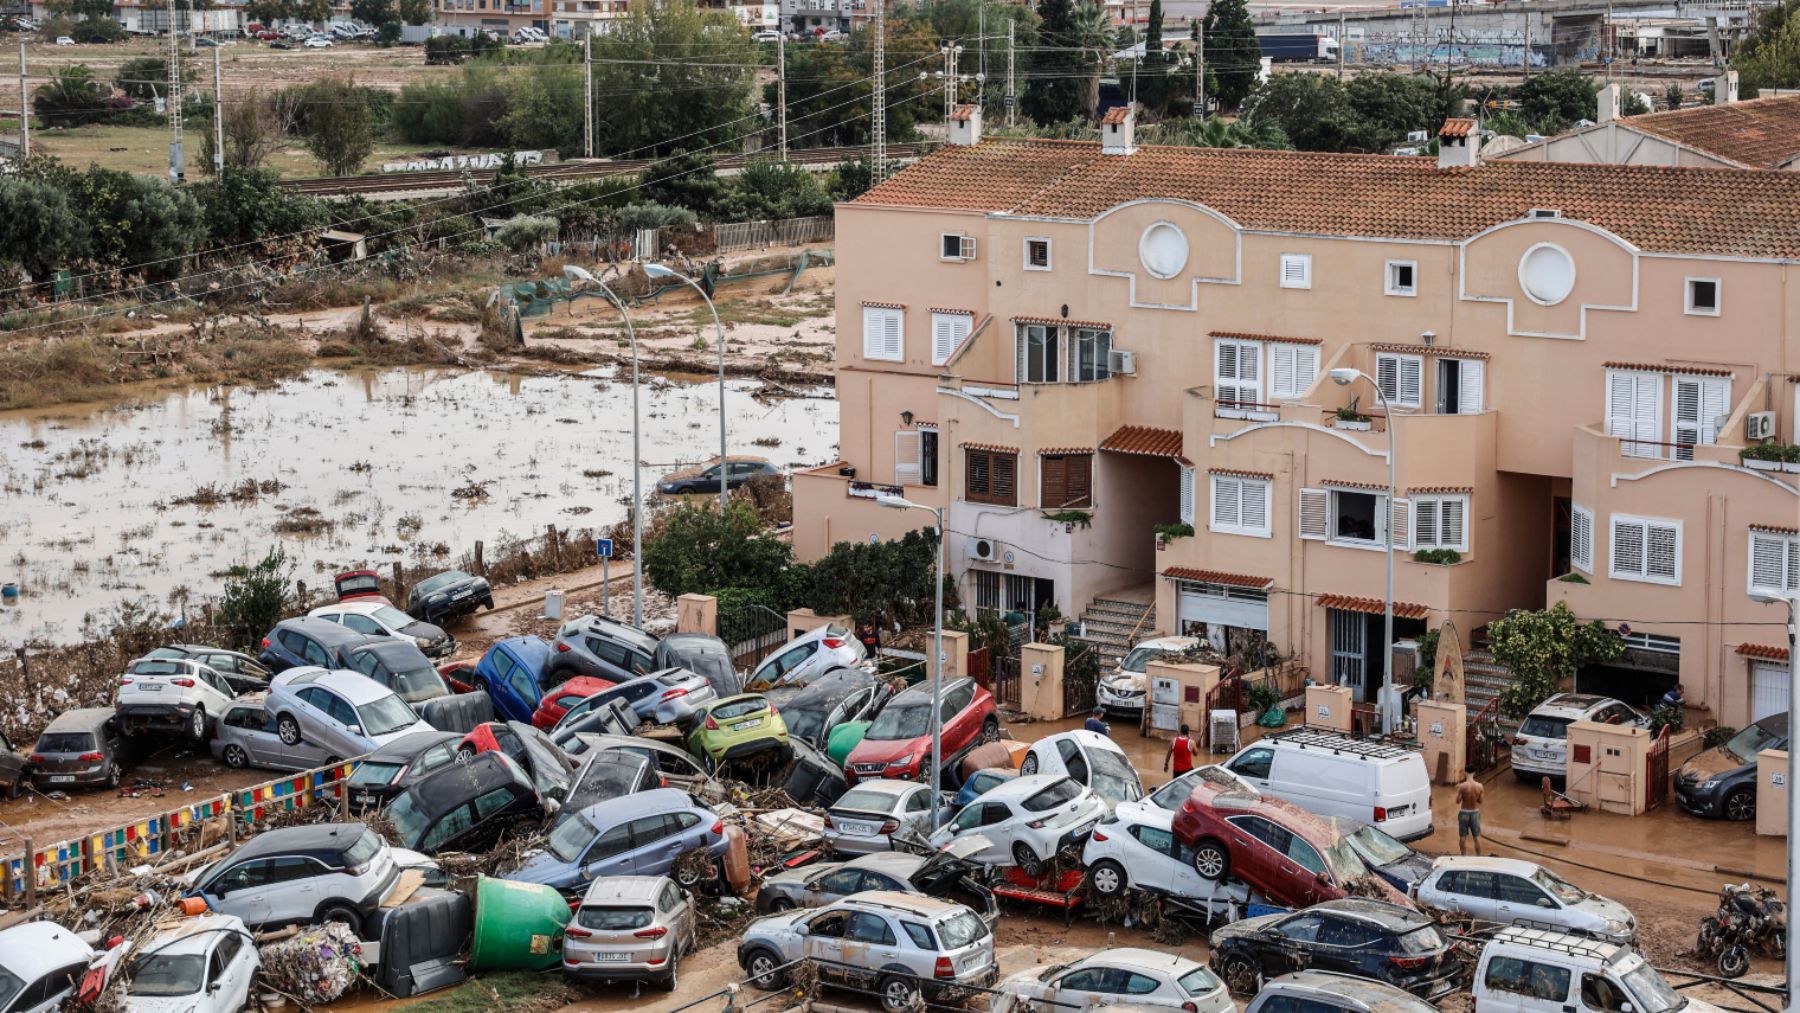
[(350, 468)]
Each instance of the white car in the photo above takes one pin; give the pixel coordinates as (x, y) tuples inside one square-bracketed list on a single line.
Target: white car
[(379, 619), (873, 815), (1541, 747), (317, 42), (1137, 848), (766, 35), (202, 966), (171, 694), (41, 964), (805, 658), (1125, 976), (1122, 689), (1090, 759), (1026, 820), (1512, 891), (1170, 795), (64, 40)]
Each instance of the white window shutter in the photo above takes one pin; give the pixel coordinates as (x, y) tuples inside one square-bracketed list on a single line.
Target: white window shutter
[(882, 337), (1451, 520), (1581, 539), (873, 342), (1306, 367), (1296, 270), (1400, 524), (895, 341), (1627, 548), (1686, 422), (1662, 555), (1425, 523), (1187, 496), (947, 333), (1281, 370), (1412, 381), (1227, 509), (1793, 564), (1315, 514), (909, 468), (1236, 373), (967, 248), (1473, 398), (1387, 376), (1715, 405), (1254, 504), (1769, 569)]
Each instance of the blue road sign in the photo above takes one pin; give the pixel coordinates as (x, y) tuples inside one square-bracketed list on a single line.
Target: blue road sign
[(603, 547)]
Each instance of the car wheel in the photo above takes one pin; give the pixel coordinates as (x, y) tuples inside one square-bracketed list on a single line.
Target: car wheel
[(1741, 804), (236, 757), (781, 904), (464, 754), (687, 877), (672, 980), (288, 729), (1026, 860), (15, 786), (343, 915), (1107, 877), (898, 994), (1239, 974), (197, 724), (1030, 766), (114, 776), (1211, 859), (481, 685), (761, 965), (990, 732)]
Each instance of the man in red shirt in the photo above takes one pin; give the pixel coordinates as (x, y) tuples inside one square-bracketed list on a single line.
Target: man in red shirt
[(1181, 751)]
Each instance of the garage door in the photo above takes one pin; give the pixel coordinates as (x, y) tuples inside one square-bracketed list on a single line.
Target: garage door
[(1768, 689), (1223, 605)]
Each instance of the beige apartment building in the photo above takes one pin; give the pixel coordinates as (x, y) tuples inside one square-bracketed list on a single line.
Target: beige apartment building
[(1065, 344)]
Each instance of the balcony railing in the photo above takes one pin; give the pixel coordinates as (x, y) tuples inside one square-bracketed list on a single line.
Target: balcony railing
[(1255, 411)]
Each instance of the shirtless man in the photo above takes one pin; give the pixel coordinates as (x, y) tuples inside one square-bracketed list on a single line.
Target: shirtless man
[(1468, 813)]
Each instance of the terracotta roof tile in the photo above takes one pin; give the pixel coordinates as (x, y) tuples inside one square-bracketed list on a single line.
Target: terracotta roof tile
[(1216, 577), (1373, 606), (1775, 529), (1725, 212), (1243, 336), (1439, 351), (1144, 440), (1116, 114), (1374, 486), (1440, 490), (1059, 322), (998, 448), (1761, 133), (1665, 367), (884, 305), (1763, 652), (1240, 473), (1066, 450), (1455, 127)]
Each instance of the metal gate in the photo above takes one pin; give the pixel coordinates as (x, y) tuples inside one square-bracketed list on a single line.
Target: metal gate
[(1348, 631), (752, 633), (1656, 774), (1081, 672), (1007, 689)]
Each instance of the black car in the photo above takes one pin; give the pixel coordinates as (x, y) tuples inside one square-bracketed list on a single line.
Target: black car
[(465, 806), (308, 641), (1365, 938), (399, 765), (404, 669), (448, 596), (1384, 855), (704, 655), (242, 672), (737, 471), (811, 779), (844, 694), (1721, 782)]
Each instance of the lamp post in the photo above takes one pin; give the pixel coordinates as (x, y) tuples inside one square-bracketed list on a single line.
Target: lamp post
[(659, 271), (575, 273), (937, 647), (1343, 377), (1793, 784)]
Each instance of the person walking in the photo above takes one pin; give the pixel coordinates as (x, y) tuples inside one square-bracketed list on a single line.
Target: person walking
[(1181, 752), (1096, 722), (1468, 813)]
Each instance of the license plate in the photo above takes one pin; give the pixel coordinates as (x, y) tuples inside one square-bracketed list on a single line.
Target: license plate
[(61, 778), (150, 687), (859, 829), (461, 594), (614, 958), (742, 725)]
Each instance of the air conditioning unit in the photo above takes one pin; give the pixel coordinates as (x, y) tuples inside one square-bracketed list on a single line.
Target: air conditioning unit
[(1417, 137), (1759, 426), (984, 550), (1121, 363)]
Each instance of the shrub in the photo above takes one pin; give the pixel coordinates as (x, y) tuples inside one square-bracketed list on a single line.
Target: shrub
[(1787, 453), (1543, 648), (526, 232), (1671, 718), (1717, 736), (889, 580), (698, 550), (1442, 557), (1170, 532), (255, 598)]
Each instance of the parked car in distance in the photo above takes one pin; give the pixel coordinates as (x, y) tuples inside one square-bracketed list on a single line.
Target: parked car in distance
[(630, 928), (204, 966), (1124, 975), (448, 596), (737, 728), (703, 654), (979, 783), (735, 471), (843, 695), (807, 658), (399, 765), (641, 834), (1512, 891), (465, 806), (1027, 820), (1536, 969), (246, 736), (1088, 758), (1366, 938), (876, 814), (242, 672), (64, 40), (1122, 689), (948, 874), (404, 669), (1385, 856), (511, 673), (318, 42), (171, 695), (1329, 992), (330, 872), (766, 35), (203, 42), (80, 748), (1721, 782), (1540, 748), (898, 743), (14, 768), (352, 585), (673, 696), (41, 964), (862, 942), (1331, 774), (279, 44), (308, 641), (341, 712), (379, 619), (602, 648), (557, 702), (1137, 848)]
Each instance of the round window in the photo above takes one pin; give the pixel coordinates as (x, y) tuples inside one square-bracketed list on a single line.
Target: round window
[(1547, 274), (1163, 250)]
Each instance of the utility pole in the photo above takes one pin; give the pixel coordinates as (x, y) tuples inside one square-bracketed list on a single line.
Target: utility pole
[(1343, 42), (587, 91), (218, 118), (951, 52), (1527, 43), (878, 99), (1200, 69), (24, 108), (1606, 39), (177, 161), (981, 68), (781, 88), (1012, 97)]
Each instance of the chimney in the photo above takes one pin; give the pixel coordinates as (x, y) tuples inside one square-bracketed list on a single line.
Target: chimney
[(965, 126), (1725, 88), (1118, 131), (1459, 144), (1609, 104)]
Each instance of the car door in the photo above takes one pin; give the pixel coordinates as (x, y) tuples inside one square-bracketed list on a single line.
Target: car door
[(1344, 946), (834, 886), (294, 888), (1254, 858), (1521, 902), (1290, 946), (610, 854), (788, 662), (260, 738), (1253, 765), (1471, 891), (489, 821), (524, 687), (824, 942), (312, 652), (448, 829), (363, 624), (915, 814), (1080, 986), (961, 723), (319, 725), (1518, 985), (220, 994), (1307, 867), (242, 890), (869, 944), (655, 843), (1073, 759)]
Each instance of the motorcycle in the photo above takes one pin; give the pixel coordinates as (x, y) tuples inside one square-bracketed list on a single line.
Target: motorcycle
[(1749, 919)]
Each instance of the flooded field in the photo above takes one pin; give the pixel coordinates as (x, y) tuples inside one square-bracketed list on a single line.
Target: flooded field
[(165, 490)]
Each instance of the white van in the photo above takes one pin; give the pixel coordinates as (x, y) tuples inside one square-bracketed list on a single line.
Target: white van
[(1331, 774)]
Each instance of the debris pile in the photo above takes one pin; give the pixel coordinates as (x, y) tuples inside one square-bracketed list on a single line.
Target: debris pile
[(315, 965)]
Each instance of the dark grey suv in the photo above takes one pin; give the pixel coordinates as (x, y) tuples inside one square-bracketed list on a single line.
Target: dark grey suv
[(1721, 782), (602, 648)]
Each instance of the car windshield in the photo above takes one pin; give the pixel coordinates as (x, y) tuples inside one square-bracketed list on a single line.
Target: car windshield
[(864, 800), (419, 685), (1653, 993), (1377, 848), (900, 722), (391, 617), (1558, 887), (738, 708), (1424, 939), (386, 715), (1175, 791), (1751, 741), (961, 929), (408, 819), (1054, 794), (1140, 658), (1113, 778), (613, 919), (1542, 726), (65, 742), (607, 776), (806, 724), (1345, 866), (168, 974), (157, 666), (1199, 981), (377, 773), (359, 584), (441, 581), (570, 838)]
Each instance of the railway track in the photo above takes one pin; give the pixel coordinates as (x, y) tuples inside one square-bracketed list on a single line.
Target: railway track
[(400, 184)]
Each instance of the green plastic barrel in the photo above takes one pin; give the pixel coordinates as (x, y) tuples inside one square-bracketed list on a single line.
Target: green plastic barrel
[(518, 926)]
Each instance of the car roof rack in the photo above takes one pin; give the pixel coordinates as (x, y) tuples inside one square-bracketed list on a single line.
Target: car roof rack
[(1561, 942), (1308, 737)]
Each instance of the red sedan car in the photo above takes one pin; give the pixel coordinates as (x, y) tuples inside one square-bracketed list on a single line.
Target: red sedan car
[(898, 743), (558, 701), (1294, 857)]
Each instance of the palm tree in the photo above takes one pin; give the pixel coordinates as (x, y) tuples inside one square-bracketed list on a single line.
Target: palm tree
[(1091, 33), (69, 99)]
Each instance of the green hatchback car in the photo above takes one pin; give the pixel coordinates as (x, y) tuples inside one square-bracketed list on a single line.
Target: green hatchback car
[(737, 728)]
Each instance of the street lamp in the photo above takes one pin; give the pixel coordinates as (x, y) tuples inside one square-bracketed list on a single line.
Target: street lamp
[(1793, 784), (575, 273), (1343, 377), (659, 271), (937, 647)]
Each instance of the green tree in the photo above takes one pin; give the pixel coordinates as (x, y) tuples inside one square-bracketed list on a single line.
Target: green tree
[(656, 103), (136, 220), (696, 550), (1553, 101), (1770, 54), (146, 77), (1090, 32), (1053, 93), (853, 179), (1152, 72), (312, 10), (543, 108), (768, 189), (246, 205), (415, 12), (1232, 53), (69, 99), (85, 9), (1542, 649), (1311, 109), (39, 230), (339, 130), (1673, 95), (374, 13), (830, 93), (256, 127), (267, 12), (255, 598), (686, 180), (1633, 104), (1390, 106), (890, 580), (523, 233)]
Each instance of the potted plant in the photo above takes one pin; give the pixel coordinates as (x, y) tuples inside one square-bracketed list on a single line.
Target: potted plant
[(1349, 418), (1771, 457)]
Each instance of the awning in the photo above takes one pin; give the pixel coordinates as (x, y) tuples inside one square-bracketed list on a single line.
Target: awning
[(1763, 652), (1145, 440), (1217, 577), (1373, 606)]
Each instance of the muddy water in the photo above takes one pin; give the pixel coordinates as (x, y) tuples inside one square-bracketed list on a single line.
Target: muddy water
[(363, 467)]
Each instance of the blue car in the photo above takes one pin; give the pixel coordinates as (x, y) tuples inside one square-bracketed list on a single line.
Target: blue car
[(1386, 857), (979, 783), (512, 674), (641, 834)]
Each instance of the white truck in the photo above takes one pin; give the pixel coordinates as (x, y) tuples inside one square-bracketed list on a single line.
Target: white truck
[(1539, 971)]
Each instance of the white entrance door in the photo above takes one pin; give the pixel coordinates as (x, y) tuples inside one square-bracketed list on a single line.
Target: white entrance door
[(1768, 689)]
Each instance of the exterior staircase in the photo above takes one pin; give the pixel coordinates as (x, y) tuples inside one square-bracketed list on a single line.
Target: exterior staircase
[(1109, 623), (1484, 679)]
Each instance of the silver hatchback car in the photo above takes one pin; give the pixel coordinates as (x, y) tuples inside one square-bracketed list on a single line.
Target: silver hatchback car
[(345, 713), (805, 658), (630, 928)]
